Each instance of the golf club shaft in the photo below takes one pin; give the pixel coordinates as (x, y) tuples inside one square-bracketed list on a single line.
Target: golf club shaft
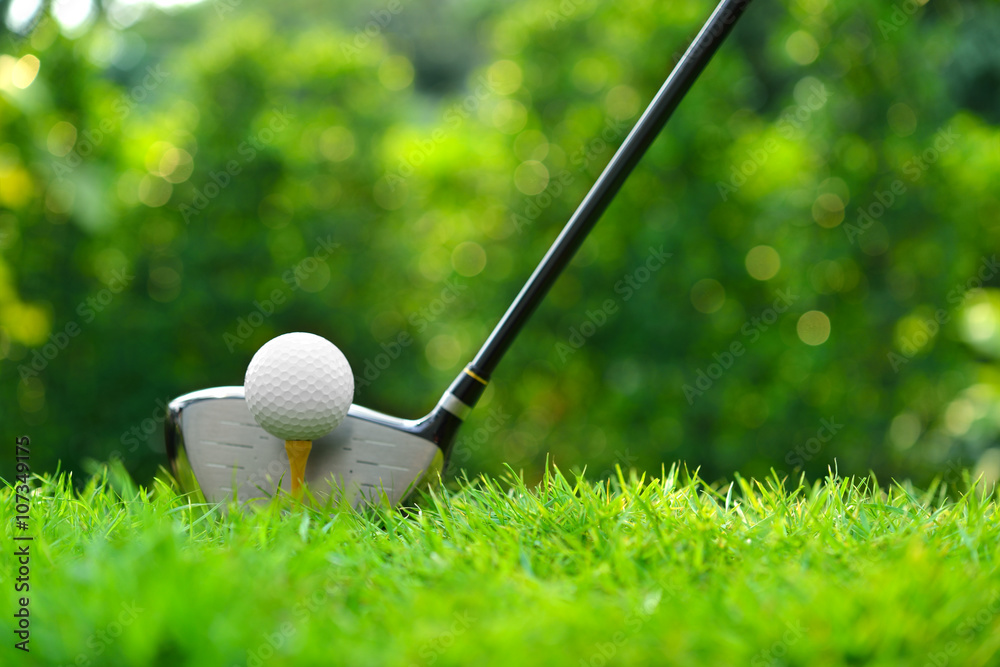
[(694, 60)]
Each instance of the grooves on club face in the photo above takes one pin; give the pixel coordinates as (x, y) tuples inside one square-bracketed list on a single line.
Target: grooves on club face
[(215, 445)]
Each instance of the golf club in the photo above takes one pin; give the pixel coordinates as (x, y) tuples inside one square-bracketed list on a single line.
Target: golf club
[(215, 445)]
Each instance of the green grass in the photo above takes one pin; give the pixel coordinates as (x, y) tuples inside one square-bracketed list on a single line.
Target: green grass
[(655, 572)]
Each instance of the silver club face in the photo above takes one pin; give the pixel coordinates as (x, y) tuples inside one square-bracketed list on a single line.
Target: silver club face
[(215, 445)]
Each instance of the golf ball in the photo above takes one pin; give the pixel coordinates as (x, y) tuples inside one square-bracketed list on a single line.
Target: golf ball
[(299, 386)]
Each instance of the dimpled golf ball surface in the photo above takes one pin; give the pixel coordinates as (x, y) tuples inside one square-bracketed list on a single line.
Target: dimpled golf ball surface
[(299, 386)]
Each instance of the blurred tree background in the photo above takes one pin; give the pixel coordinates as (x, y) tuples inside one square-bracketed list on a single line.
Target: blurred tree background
[(180, 183)]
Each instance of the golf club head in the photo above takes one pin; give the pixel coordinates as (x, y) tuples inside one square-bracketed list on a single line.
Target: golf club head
[(216, 447)]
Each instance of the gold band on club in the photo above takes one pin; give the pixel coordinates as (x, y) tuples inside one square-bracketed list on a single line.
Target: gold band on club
[(475, 377)]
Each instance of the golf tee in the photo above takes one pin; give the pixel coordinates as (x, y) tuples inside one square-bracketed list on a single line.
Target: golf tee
[(298, 454)]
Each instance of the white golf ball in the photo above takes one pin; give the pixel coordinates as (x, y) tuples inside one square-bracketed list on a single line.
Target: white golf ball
[(299, 386)]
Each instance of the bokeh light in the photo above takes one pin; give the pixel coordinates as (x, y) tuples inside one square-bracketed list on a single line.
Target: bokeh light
[(395, 72), (336, 143), (622, 102), (505, 76), (802, 47), (61, 138), (828, 210), (708, 295), (531, 145), (25, 71), (443, 352), (763, 262), (531, 177), (154, 191), (510, 116), (468, 259), (813, 327), (902, 119)]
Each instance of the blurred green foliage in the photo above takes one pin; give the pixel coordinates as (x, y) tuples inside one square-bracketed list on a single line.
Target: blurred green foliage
[(168, 177)]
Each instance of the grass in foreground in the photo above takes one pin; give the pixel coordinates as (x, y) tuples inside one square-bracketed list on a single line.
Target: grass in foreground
[(656, 572)]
